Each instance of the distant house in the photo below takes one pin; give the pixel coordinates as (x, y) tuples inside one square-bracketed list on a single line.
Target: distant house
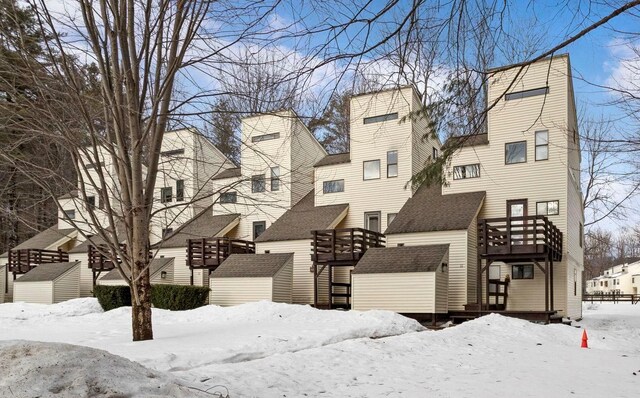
[(620, 279)]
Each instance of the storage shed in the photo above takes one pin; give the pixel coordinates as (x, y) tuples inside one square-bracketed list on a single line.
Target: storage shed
[(411, 280), (48, 284), (244, 278), (161, 274)]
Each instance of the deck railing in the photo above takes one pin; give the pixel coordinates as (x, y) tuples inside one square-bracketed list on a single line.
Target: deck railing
[(22, 261), (346, 244), (209, 253), (98, 261), (519, 235)]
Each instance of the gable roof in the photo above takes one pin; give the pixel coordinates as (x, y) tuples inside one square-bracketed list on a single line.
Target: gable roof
[(203, 225), (97, 240), (228, 173), (262, 265), (429, 210), (44, 239), (336, 158), (157, 264), (298, 222), (385, 260), (47, 272), (467, 140)]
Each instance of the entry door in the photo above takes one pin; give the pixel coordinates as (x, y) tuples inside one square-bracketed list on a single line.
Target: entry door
[(372, 221), (517, 208)]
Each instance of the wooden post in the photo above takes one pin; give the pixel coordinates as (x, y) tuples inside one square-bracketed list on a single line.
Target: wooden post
[(487, 284), (330, 285), (546, 284), (479, 283), (551, 281), (315, 283)]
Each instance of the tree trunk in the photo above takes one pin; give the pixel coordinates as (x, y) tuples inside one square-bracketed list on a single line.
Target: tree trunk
[(141, 309)]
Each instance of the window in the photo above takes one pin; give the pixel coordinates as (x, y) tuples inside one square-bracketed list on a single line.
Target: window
[(380, 118), (258, 183), (515, 152), (526, 93), (101, 199), (166, 194), (229, 197), (265, 137), (575, 282), (372, 221), (466, 171), (173, 152), (258, 228), (581, 232), (542, 145), (70, 214), (91, 202), (333, 186), (434, 154), (275, 178), (179, 190), (391, 217), (371, 170), (550, 208), (166, 232), (522, 271), (392, 164)]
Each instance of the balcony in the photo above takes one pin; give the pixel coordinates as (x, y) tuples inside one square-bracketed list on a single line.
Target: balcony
[(511, 239), (209, 253), (99, 262), (22, 261), (345, 245)]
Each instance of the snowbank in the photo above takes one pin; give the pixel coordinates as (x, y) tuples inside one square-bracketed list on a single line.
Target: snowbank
[(25, 311), (31, 369)]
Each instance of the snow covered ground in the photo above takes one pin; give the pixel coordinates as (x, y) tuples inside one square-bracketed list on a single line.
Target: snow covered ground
[(277, 350)]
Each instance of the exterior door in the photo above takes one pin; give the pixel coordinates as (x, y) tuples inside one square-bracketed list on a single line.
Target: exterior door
[(517, 208), (372, 221)]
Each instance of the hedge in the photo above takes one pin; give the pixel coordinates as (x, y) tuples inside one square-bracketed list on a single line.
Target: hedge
[(178, 297), (168, 297), (111, 297)]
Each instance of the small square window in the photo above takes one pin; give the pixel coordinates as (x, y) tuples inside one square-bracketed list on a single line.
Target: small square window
[(550, 208), (522, 271), (91, 202), (392, 164), (70, 214), (258, 228), (166, 194), (515, 152), (275, 178), (229, 197), (258, 183), (391, 217), (166, 232), (371, 169)]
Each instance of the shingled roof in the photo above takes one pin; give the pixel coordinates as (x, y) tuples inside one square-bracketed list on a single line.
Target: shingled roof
[(44, 239), (428, 210), (385, 260), (157, 264), (203, 225), (298, 222), (467, 140), (335, 158), (47, 272), (97, 240), (228, 173), (252, 265)]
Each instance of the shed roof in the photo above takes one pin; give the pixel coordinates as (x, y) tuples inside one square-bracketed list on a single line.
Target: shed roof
[(298, 222), (45, 239), (336, 158), (47, 272), (157, 264), (228, 173), (428, 210), (263, 265), (386, 260), (203, 225)]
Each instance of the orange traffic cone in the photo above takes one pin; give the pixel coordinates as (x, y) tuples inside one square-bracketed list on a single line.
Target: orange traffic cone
[(584, 339)]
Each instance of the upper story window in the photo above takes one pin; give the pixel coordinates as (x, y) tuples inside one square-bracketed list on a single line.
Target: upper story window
[(166, 194), (550, 208), (371, 169), (391, 217), (101, 199), (258, 228), (466, 171), (166, 232), (434, 154), (229, 197), (515, 152), (275, 178), (265, 137), (91, 202), (526, 93), (333, 186), (542, 145), (173, 152), (70, 214), (380, 118), (179, 190), (258, 183), (581, 234), (392, 164)]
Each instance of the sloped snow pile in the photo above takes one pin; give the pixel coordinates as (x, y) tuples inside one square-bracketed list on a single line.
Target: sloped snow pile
[(30, 369), (26, 311)]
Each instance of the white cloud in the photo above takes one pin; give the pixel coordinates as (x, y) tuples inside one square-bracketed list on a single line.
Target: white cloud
[(624, 69)]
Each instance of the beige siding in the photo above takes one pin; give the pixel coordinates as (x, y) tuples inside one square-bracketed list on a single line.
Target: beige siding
[(86, 276), (3, 271), (67, 286), (283, 284), (33, 292), (409, 292), (458, 258), (442, 288), (423, 143), (575, 251), (235, 291), (472, 260), (181, 273), (305, 152), (168, 280)]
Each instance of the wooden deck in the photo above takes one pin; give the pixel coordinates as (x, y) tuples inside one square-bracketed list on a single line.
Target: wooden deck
[(21, 261), (209, 253)]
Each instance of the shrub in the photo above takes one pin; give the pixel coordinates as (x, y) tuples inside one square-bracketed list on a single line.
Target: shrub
[(178, 297), (111, 297)]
